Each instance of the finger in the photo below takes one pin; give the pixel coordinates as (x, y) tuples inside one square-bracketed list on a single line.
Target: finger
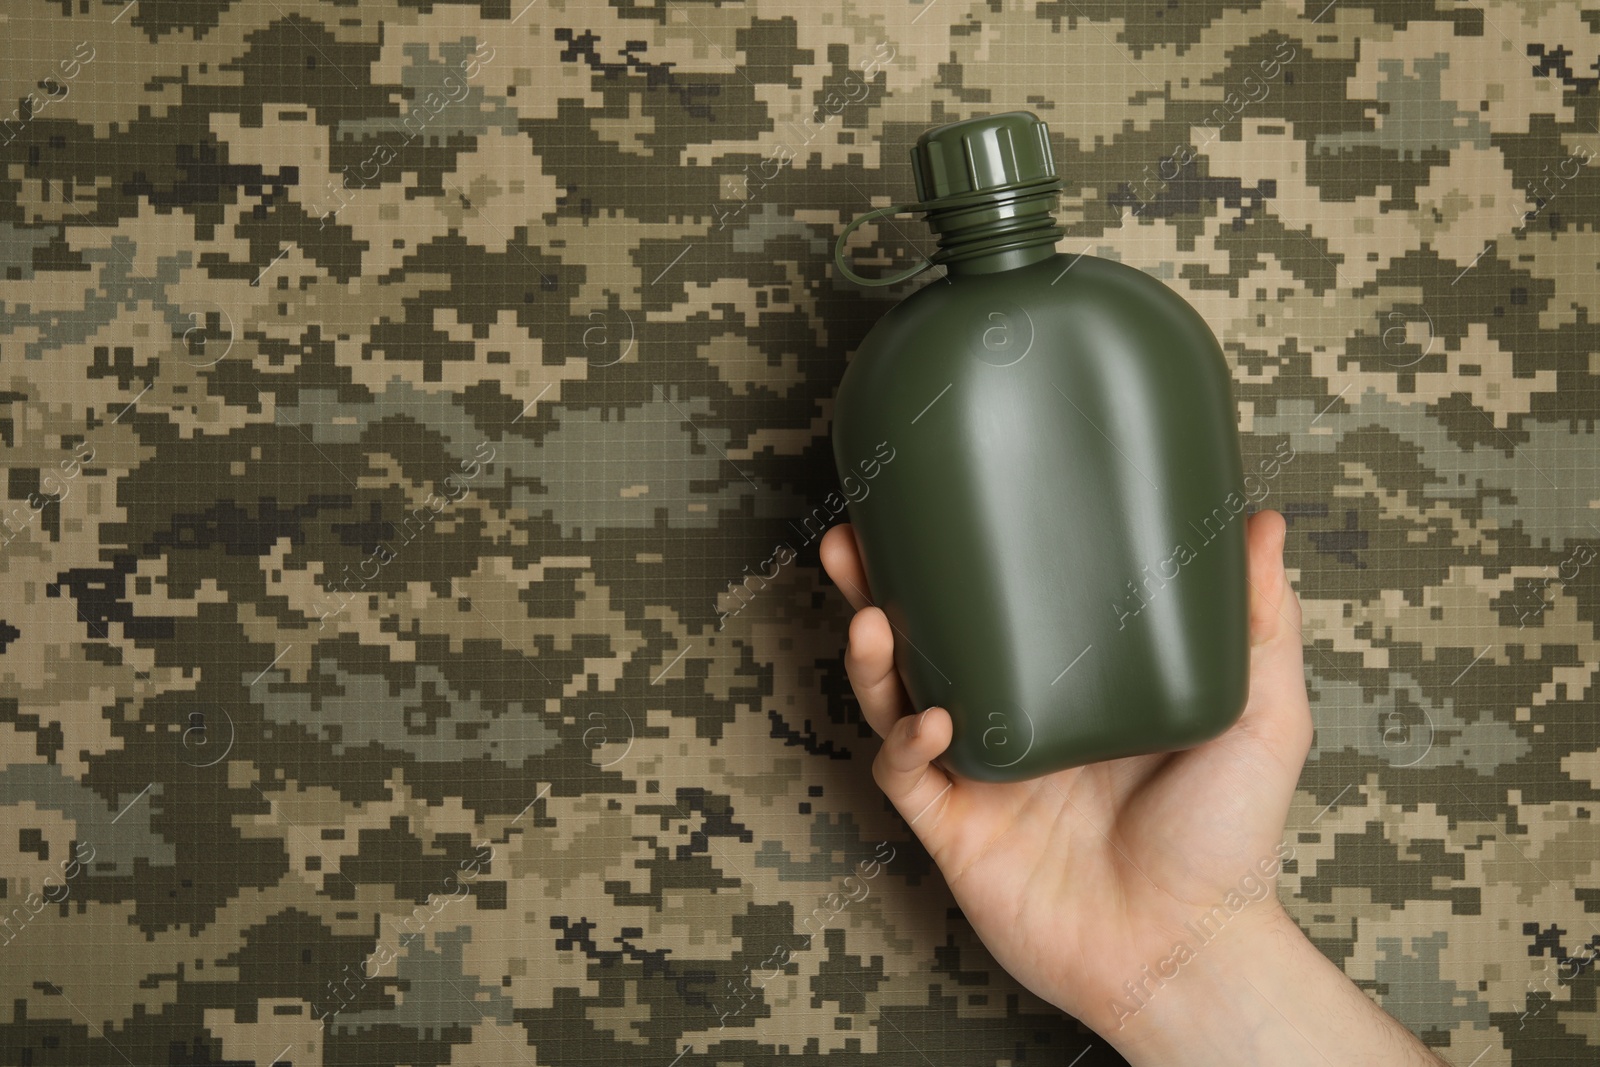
[(841, 558), (869, 664), (905, 771), (1277, 710), (1274, 609)]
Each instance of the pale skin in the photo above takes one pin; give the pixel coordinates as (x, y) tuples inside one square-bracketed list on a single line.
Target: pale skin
[(1077, 880)]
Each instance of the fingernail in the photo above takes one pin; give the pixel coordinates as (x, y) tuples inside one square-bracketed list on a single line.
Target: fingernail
[(916, 726)]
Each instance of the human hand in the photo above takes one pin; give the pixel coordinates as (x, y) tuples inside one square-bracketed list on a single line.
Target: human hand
[(1077, 880)]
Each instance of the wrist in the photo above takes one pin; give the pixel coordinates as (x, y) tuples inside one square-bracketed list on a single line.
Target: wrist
[(1261, 993), (1202, 979)]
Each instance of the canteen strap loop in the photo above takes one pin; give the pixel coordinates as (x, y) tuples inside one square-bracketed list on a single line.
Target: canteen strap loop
[(841, 260)]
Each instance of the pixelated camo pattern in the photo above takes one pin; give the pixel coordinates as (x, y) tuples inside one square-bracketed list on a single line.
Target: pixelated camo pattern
[(407, 405)]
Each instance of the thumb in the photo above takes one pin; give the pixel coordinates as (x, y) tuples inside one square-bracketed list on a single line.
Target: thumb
[(1277, 711), (905, 771), (1274, 609)]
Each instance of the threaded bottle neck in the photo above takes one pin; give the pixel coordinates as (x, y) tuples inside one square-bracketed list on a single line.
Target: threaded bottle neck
[(982, 233)]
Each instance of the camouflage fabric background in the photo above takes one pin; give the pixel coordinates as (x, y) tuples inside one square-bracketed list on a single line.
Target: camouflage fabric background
[(415, 421)]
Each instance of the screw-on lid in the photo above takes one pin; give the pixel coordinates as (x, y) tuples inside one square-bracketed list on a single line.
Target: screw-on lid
[(994, 152)]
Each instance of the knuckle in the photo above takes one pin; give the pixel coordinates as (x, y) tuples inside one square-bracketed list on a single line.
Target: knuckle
[(881, 771)]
